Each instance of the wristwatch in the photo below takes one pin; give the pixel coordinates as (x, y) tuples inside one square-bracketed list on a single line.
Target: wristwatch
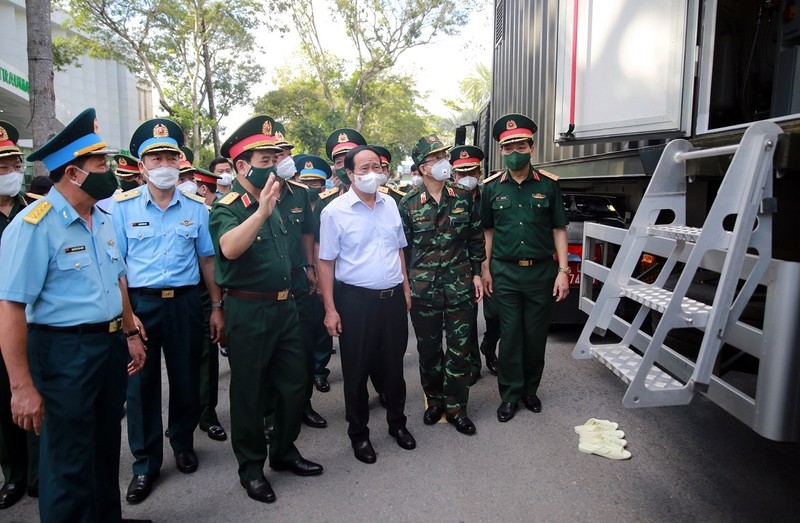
[(565, 270), (131, 334)]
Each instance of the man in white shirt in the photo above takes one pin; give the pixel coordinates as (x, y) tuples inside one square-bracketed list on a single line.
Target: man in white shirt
[(361, 246)]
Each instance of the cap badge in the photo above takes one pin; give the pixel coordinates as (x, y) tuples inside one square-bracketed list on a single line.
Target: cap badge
[(464, 155), (122, 161), (278, 135), (343, 138), (3, 134), (511, 124), (266, 128), (160, 131), (183, 156), (309, 165), (432, 138), (96, 126)]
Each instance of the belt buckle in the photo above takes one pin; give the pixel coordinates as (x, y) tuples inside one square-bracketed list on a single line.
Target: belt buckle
[(524, 263), (168, 293), (283, 295), (115, 325), (386, 293)]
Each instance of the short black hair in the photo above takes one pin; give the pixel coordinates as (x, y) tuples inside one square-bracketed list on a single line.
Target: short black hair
[(217, 161), (210, 186), (41, 185), (246, 156), (58, 173), (350, 157)]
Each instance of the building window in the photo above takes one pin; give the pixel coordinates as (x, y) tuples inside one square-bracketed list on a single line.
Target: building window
[(499, 21)]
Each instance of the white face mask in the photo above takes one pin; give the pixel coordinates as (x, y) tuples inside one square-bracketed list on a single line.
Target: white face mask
[(382, 179), (367, 183), (225, 179), (163, 177), (416, 180), (470, 182), (188, 186), (441, 170), (286, 168), (11, 183)]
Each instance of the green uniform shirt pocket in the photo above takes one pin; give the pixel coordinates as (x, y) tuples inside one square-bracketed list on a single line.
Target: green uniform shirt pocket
[(421, 226)]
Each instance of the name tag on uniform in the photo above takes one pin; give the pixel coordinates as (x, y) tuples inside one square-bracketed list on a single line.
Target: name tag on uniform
[(77, 248), (501, 198), (140, 224)]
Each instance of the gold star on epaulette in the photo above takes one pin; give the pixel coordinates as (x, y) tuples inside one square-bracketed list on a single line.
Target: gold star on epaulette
[(127, 195), (492, 177), (228, 198), (198, 199), (548, 174), (304, 186), (328, 193), (38, 212)]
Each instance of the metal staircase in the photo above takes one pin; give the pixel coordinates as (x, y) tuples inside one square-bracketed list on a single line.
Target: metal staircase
[(744, 200)]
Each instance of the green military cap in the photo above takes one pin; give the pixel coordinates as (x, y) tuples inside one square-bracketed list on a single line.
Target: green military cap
[(187, 157), (158, 134), (427, 145), (256, 134), (8, 140), (280, 136), (513, 128), (312, 167), (201, 175), (383, 152), (342, 140), (126, 165), (466, 157), (78, 138)]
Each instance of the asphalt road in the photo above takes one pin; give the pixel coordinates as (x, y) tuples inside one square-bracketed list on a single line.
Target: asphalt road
[(693, 463)]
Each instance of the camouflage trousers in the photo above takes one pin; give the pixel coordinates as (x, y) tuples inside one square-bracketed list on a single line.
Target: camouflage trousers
[(445, 374)]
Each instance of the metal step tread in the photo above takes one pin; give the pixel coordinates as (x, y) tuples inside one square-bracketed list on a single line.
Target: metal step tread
[(676, 232), (658, 299), (625, 362)]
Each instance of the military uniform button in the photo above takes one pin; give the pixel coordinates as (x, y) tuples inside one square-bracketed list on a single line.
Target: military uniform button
[(140, 235), (162, 234), (77, 265), (258, 238)]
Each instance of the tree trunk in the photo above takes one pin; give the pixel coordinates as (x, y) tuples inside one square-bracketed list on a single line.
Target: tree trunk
[(212, 106), (43, 122)]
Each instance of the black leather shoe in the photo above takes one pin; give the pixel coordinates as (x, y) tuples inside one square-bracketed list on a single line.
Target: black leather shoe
[(464, 425), (269, 431), (532, 403), (432, 414), (313, 419), (259, 490), (506, 411), (300, 467), (215, 432), (364, 452), (404, 438), (11, 493), (492, 366), (321, 384), (186, 461), (140, 487)]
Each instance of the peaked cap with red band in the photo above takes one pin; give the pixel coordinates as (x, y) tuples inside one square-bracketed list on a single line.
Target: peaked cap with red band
[(256, 134), (126, 165), (513, 128), (342, 140), (466, 157), (8, 140)]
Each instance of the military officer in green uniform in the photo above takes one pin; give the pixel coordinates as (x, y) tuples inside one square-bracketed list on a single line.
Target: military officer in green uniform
[(266, 352), (444, 255), (466, 161), (386, 161), (525, 223), (19, 450)]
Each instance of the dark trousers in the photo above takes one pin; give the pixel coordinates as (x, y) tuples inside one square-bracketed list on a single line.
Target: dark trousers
[(374, 335), (19, 449), (524, 298), (267, 358), (209, 368), (81, 379), (174, 324), (323, 342), (445, 375)]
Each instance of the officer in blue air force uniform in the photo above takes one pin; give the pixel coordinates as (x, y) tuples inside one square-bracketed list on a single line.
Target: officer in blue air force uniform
[(164, 238), (63, 296)]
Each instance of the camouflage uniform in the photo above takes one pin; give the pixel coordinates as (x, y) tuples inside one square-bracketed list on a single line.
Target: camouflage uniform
[(446, 247)]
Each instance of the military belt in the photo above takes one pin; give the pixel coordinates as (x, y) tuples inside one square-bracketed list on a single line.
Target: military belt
[(104, 327), (260, 296), (165, 293), (380, 294), (528, 262)]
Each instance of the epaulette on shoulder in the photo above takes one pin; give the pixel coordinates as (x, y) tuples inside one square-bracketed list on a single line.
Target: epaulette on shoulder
[(298, 184), (198, 199), (330, 192), (38, 212), (492, 177), (548, 174), (383, 189), (228, 198), (33, 196), (396, 190), (127, 195)]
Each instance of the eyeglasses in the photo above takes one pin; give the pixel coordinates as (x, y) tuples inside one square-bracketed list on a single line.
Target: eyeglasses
[(8, 169)]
